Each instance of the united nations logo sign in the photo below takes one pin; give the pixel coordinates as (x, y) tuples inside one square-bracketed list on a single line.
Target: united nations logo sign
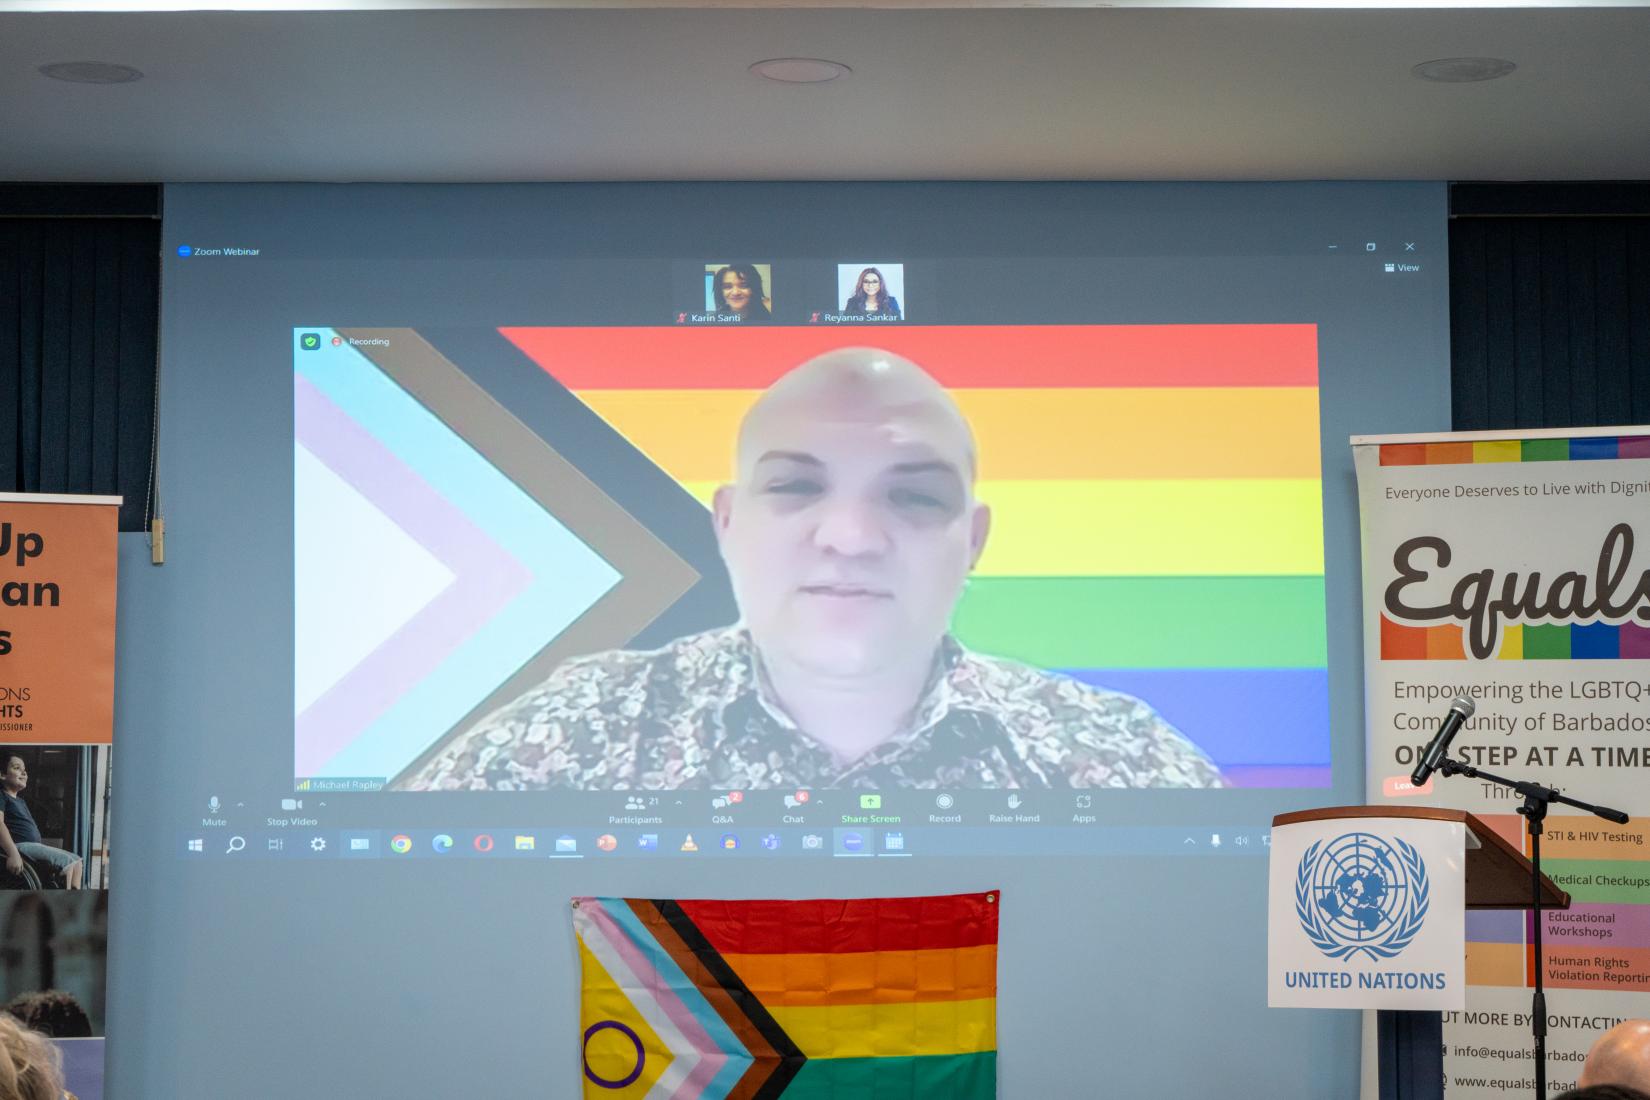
[(1361, 893)]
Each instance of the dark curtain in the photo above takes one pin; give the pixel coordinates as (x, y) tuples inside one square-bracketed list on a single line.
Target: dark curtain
[(79, 301), (1549, 320)]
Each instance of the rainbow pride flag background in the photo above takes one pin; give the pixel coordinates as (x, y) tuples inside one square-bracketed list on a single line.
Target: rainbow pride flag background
[(810, 1000), (1156, 496)]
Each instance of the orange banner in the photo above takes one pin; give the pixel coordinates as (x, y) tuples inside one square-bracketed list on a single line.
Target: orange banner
[(58, 563)]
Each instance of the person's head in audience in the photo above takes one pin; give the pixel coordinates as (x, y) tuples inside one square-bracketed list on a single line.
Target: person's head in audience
[(14, 774), (739, 290), (1603, 1092), (30, 1066), (1621, 1056), (51, 1012)]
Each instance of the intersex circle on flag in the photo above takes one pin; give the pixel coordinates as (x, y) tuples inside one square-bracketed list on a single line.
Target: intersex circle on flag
[(641, 1057)]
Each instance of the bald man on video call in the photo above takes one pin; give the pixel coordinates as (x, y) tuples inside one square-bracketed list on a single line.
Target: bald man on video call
[(848, 531)]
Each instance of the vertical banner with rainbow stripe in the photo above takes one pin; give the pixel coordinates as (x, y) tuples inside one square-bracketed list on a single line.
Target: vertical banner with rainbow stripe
[(1156, 497), (811, 1000), (1514, 570)]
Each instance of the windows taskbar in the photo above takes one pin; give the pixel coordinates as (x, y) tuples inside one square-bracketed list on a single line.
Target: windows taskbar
[(716, 842)]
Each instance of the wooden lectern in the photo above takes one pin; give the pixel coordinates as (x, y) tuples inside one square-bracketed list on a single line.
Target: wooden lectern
[(1498, 876)]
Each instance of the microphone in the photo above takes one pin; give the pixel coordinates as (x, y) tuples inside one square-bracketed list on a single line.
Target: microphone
[(1460, 709)]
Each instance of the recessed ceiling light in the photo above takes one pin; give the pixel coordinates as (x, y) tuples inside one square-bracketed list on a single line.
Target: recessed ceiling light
[(90, 72), (800, 70), (1463, 70)]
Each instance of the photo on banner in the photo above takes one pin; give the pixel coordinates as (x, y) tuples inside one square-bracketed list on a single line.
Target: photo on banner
[(458, 545), (55, 947), (56, 804), (1514, 570)]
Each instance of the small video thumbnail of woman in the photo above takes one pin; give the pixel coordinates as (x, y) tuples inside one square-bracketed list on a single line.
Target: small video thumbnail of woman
[(871, 290), (740, 290)]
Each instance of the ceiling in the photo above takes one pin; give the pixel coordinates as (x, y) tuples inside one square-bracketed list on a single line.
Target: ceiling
[(1139, 91)]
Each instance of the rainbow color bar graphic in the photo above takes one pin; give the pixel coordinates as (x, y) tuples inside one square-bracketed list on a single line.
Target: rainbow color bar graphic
[(1515, 450), (1155, 489), (1519, 642)]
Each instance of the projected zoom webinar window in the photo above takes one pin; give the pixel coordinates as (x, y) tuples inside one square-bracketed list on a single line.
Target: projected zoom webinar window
[(802, 558)]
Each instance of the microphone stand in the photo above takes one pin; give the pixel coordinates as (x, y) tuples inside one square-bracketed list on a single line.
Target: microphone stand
[(1537, 799)]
